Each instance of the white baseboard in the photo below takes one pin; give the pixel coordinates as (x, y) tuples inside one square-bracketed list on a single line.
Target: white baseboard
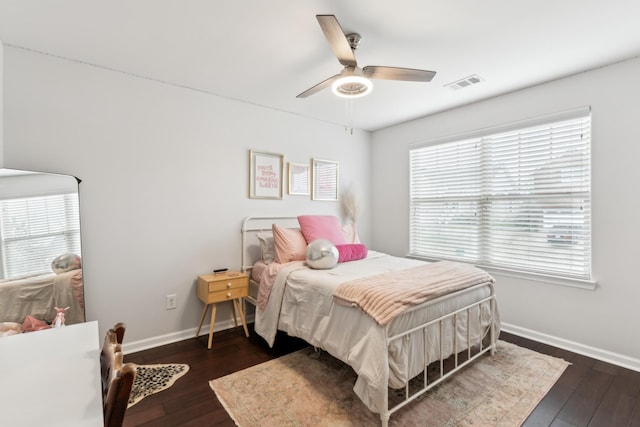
[(585, 350), (145, 344)]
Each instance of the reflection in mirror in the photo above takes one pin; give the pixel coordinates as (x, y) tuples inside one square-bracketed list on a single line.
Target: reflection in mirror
[(40, 251)]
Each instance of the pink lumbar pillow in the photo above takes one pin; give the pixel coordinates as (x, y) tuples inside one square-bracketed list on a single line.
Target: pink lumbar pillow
[(326, 227), (351, 252), (289, 244)]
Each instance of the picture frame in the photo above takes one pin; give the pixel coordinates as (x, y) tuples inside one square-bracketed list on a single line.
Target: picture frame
[(325, 179), (265, 175), (299, 182)]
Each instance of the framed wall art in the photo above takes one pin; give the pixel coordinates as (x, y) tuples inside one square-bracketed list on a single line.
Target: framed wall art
[(299, 179), (265, 175), (325, 180)]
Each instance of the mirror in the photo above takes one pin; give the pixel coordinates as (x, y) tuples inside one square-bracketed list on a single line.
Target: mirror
[(40, 250)]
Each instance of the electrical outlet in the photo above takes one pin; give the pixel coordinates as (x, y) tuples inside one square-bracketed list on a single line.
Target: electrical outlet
[(171, 302)]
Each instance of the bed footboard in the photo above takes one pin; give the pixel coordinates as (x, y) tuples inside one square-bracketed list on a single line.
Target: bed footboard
[(446, 365)]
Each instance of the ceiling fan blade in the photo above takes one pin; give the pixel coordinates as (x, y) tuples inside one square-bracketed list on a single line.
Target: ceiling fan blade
[(395, 73), (318, 87), (337, 40)]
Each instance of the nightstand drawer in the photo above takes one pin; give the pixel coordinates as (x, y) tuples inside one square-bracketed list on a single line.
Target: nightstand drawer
[(228, 284), (228, 294)]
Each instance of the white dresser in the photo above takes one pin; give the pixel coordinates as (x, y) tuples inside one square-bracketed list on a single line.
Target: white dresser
[(51, 377)]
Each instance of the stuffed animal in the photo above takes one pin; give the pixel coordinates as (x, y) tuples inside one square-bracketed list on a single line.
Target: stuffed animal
[(59, 320), (10, 328)]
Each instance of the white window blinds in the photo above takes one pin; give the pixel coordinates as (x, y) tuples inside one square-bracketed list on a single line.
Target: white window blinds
[(517, 200), (36, 230)]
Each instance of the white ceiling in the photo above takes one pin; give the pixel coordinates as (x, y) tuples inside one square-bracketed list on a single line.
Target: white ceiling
[(266, 52)]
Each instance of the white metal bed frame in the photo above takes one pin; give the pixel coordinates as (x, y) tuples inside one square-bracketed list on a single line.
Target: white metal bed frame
[(471, 354)]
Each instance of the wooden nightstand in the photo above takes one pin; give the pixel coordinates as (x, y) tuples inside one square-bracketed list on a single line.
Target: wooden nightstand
[(228, 286)]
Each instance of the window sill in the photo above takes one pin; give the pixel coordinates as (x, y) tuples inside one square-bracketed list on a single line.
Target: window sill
[(590, 285)]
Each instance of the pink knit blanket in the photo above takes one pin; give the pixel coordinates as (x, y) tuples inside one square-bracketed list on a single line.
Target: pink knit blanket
[(389, 294)]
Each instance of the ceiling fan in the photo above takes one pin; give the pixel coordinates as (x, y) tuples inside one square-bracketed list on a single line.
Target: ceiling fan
[(353, 81)]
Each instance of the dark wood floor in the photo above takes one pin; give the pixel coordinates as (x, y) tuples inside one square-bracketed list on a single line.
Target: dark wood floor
[(589, 393)]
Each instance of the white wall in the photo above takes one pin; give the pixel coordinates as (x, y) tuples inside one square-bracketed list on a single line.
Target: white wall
[(15, 184), (603, 322), (164, 179)]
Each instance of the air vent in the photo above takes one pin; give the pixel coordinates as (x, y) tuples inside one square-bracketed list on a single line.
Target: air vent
[(466, 82)]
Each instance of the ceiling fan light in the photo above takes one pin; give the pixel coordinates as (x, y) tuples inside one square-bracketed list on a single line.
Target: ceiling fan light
[(352, 86)]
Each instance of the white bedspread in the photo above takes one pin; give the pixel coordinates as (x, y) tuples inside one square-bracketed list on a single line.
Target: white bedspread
[(301, 304)]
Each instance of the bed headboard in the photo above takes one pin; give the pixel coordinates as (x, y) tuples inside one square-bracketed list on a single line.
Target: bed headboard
[(251, 226)]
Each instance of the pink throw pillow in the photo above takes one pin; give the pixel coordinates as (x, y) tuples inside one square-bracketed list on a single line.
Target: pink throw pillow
[(289, 244), (316, 227), (351, 252)]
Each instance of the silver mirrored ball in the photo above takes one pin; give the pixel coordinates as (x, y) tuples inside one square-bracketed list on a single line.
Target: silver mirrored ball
[(66, 262), (322, 254)]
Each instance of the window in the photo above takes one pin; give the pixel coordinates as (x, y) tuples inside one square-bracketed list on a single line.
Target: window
[(517, 199), (35, 230)]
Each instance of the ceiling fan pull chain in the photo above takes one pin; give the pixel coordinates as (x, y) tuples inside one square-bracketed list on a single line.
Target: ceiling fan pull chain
[(348, 113)]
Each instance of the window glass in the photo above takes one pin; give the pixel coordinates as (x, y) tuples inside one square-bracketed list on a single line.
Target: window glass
[(517, 199), (36, 230)]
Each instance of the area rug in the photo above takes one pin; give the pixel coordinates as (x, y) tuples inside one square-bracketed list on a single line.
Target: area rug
[(152, 379), (314, 389)]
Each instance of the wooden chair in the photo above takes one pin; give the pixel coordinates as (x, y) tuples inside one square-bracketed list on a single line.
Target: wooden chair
[(119, 329), (117, 380)]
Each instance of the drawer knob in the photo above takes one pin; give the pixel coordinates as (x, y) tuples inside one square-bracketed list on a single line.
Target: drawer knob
[(228, 285), (228, 294)]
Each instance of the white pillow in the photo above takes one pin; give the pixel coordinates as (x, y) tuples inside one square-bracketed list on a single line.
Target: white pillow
[(266, 247)]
